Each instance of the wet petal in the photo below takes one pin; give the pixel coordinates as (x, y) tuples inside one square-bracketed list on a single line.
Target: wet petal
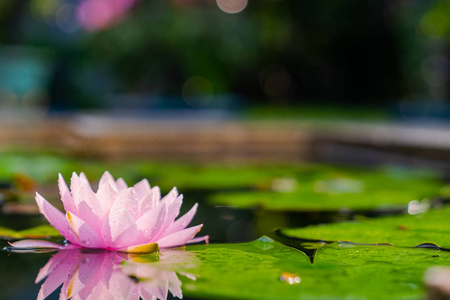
[(106, 196), (150, 200), (56, 218), (119, 229), (84, 179), (74, 182), (127, 199), (94, 221), (65, 194), (106, 177), (171, 196), (179, 238), (183, 221), (199, 239), (121, 184), (173, 209), (142, 188), (88, 206), (87, 236), (151, 223), (85, 193)]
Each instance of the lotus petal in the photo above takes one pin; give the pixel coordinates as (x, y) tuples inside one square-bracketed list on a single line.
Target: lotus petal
[(35, 244), (142, 188), (121, 184), (199, 239), (171, 196), (106, 196), (179, 238), (150, 200), (183, 221), (64, 192), (151, 223), (119, 229), (87, 236), (106, 177), (84, 179), (173, 209), (55, 218), (126, 199)]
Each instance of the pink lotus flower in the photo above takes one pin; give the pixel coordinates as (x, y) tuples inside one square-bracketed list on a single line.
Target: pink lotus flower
[(109, 275), (117, 217)]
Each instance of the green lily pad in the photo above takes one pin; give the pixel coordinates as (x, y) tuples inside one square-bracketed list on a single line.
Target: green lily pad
[(376, 272), (334, 189), (42, 231), (256, 270), (405, 230), (247, 271)]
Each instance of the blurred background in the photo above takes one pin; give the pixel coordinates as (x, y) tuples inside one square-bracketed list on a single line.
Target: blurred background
[(97, 69), (214, 86), (67, 55)]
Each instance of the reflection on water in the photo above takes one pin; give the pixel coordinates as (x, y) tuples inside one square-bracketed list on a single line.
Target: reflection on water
[(115, 275)]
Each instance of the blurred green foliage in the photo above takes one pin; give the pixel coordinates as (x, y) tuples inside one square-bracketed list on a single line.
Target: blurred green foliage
[(350, 51), (328, 188), (295, 187), (42, 231)]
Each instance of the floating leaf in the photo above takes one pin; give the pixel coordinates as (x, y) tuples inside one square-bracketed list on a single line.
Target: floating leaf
[(335, 189), (375, 272), (405, 230), (258, 270), (247, 271), (35, 232)]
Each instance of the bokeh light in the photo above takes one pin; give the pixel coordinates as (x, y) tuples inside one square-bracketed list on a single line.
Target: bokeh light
[(96, 15), (232, 6)]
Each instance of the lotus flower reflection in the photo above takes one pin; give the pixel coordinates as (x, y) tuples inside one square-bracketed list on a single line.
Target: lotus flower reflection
[(114, 275), (117, 217)]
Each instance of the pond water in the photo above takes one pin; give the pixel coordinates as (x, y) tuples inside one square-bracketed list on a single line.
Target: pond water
[(276, 232)]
